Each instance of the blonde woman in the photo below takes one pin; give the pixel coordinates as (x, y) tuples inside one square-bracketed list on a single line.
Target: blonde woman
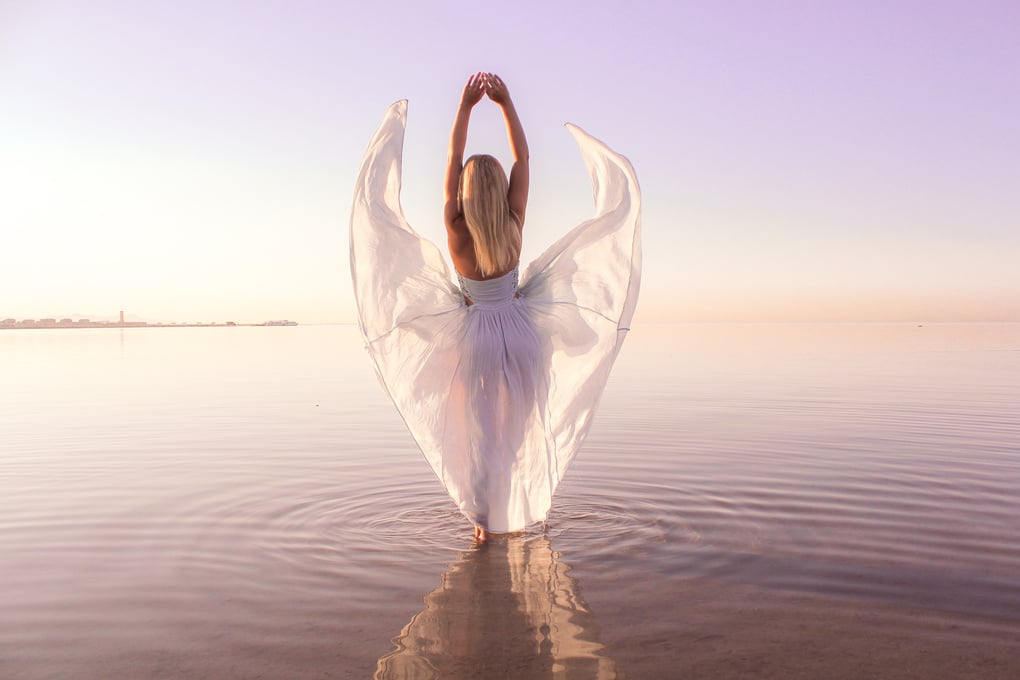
[(497, 382), (484, 215), (484, 210)]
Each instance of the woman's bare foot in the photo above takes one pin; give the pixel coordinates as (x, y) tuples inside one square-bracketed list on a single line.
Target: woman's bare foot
[(480, 535)]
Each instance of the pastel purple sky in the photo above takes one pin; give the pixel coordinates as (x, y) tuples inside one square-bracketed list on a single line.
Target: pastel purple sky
[(194, 161)]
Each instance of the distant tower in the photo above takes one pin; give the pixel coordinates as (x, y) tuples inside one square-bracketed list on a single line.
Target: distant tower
[(122, 316)]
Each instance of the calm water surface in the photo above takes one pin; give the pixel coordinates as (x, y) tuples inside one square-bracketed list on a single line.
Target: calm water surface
[(244, 502)]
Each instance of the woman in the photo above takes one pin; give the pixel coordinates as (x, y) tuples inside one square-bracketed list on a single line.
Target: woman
[(484, 215), (497, 383)]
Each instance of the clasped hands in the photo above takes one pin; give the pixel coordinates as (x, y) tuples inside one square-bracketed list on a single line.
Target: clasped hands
[(484, 84)]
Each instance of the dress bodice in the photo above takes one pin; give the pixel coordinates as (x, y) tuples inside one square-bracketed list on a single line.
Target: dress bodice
[(490, 292)]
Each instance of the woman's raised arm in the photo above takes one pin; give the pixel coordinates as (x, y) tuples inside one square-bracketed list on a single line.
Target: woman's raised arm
[(472, 94), (517, 196)]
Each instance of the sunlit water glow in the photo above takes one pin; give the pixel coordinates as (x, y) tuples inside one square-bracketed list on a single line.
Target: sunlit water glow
[(235, 502)]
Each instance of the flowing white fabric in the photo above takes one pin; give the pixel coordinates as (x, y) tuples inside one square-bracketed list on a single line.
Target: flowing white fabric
[(499, 395)]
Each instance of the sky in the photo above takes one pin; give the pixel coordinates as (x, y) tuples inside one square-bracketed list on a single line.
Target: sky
[(799, 161)]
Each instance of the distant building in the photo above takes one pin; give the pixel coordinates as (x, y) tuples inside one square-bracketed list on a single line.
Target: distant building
[(9, 322)]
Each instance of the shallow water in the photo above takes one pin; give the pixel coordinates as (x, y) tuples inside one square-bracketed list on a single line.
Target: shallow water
[(243, 502)]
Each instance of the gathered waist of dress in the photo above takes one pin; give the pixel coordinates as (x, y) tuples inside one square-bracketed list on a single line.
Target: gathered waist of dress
[(495, 292)]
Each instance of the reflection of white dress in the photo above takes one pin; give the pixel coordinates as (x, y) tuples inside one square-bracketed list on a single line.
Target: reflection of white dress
[(511, 610), (500, 394)]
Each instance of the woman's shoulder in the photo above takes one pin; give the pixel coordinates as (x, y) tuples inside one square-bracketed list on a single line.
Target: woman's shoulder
[(516, 219)]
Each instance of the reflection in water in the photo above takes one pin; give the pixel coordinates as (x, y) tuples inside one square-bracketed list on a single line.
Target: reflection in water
[(506, 608)]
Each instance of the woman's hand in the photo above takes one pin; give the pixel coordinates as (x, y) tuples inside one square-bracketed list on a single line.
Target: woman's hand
[(473, 91), (496, 89)]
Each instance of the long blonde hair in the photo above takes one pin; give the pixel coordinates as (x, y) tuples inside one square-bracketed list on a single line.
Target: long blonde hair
[(483, 200)]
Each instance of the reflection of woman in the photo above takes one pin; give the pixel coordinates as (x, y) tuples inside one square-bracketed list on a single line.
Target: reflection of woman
[(506, 609), (497, 383)]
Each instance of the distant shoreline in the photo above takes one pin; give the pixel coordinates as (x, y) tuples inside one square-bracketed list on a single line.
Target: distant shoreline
[(52, 325)]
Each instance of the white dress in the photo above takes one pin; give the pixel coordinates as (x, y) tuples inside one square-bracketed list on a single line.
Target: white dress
[(500, 394)]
